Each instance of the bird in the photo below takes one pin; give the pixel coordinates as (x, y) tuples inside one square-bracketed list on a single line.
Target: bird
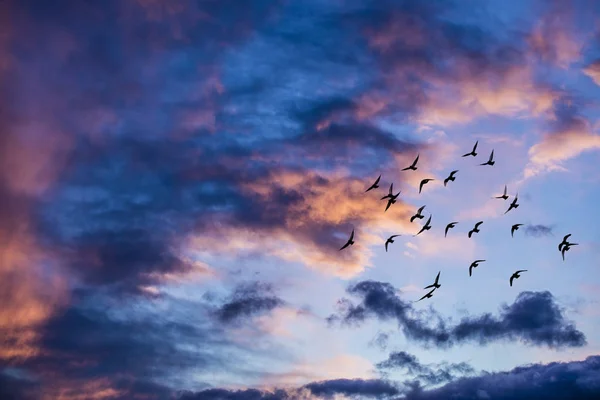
[(474, 264), (425, 227), (516, 275), (375, 185), (504, 195), (475, 229), (472, 153), (390, 193), (423, 182), (350, 241), (392, 200), (450, 225), (390, 240), (450, 177), (513, 204), (514, 228), (428, 295), (564, 242), (567, 247), (418, 214), (490, 161), (412, 166), (436, 283)]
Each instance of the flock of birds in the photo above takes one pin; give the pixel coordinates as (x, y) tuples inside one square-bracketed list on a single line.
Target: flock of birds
[(391, 198)]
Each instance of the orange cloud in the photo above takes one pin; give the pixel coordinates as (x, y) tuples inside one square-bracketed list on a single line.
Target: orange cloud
[(576, 137), (593, 71), (322, 207)]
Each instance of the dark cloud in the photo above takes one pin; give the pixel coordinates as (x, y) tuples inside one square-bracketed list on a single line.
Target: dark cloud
[(554, 381), (534, 318), (225, 394), (429, 373), (249, 300), (353, 387), (538, 230)]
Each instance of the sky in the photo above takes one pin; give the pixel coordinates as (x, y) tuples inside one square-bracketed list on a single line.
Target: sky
[(177, 178)]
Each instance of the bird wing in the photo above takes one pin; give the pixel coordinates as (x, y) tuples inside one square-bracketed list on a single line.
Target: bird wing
[(422, 229), (391, 189), (413, 217), (478, 261), (437, 278), (479, 223), (351, 235), (471, 270), (446, 230), (346, 245), (521, 270), (430, 286), (511, 279), (504, 190), (475, 147), (566, 237), (388, 204), (491, 156), (414, 164), (563, 252), (386, 244), (378, 179), (470, 233), (420, 210), (428, 221), (421, 185)]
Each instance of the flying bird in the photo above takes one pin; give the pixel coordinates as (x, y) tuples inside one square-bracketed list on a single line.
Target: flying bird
[(490, 161), (514, 228), (392, 200), (350, 241), (472, 153), (425, 227), (513, 204), (423, 182), (474, 264), (390, 240), (567, 247), (450, 177), (413, 166), (435, 284), (375, 185), (428, 295), (504, 195), (390, 193), (475, 229), (564, 242), (516, 275), (450, 225), (418, 214)]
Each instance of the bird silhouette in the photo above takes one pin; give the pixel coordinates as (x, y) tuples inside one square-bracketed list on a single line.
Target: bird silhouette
[(490, 161), (504, 195), (390, 193), (513, 204), (474, 264), (475, 229), (375, 185), (427, 296), (413, 166), (425, 227), (392, 200), (424, 182), (472, 153), (514, 228), (564, 242), (436, 283), (390, 240), (418, 214), (516, 275), (450, 225), (567, 247), (350, 241), (450, 177)]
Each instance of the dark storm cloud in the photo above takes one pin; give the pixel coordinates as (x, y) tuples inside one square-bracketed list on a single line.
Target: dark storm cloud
[(538, 230), (249, 300), (534, 318), (374, 388), (429, 373), (554, 381)]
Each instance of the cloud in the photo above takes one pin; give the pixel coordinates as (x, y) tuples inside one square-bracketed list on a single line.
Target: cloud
[(593, 71), (534, 319), (247, 301), (570, 135), (538, 230), (431, 374), (554, 381)]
